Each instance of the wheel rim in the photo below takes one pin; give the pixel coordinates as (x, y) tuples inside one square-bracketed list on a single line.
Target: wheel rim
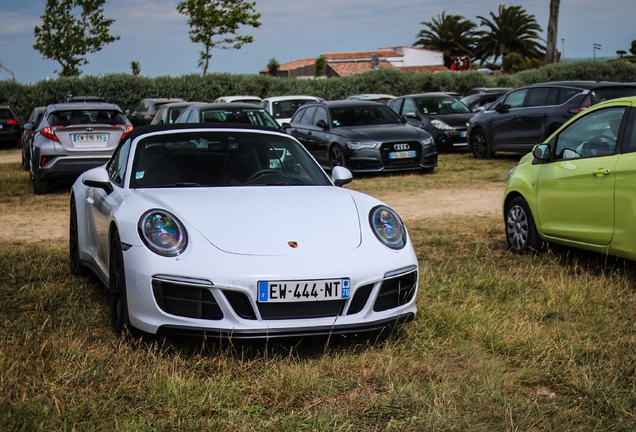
[(479, 145), (517, 228), (336, 157)]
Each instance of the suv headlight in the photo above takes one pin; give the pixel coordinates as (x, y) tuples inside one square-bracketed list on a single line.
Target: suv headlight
[(387, 227), (438, 124), (162, 233), (355, 145)]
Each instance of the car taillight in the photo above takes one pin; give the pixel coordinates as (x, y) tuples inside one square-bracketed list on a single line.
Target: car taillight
[(13, 122), (127, 129), (49, 132), (584, 104)]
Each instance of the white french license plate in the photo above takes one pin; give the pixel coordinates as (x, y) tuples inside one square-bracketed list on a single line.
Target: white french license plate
[(403, 154), (82, 138), (463, 134), (307, 290)]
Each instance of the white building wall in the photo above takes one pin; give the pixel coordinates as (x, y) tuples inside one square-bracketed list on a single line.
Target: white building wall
[(416, 57)]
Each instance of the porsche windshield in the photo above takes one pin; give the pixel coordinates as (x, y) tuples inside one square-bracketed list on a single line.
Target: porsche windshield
[(221, 158)]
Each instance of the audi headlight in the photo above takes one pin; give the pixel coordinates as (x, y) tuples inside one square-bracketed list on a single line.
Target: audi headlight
[(427, 142), (387, 227), (162, 233), (362, 145), (438, 124)]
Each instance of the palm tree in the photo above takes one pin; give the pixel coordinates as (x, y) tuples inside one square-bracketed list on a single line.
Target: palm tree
[(512, 33), (451, 34)]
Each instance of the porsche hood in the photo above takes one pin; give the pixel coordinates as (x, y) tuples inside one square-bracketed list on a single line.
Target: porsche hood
[(269, 221)]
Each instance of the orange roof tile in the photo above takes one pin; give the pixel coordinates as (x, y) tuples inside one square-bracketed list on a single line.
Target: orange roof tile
[(359, 55), (352, 68), (293, 65)]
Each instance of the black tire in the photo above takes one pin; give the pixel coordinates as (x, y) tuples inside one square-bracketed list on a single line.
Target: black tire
[(76, 266), (480, 145), (336, 156), (117, 287), (521, 232), (40, 187)]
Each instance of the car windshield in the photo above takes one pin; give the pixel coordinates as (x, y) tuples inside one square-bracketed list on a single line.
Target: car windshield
[(441, 105), (254, 116), (5, 114), (287, 108), (222, 158), (467, 100), (86, 116), (363, 115)]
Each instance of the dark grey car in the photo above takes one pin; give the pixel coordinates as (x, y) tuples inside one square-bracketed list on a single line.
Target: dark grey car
[(443, 116), (9, 127), (528, 115), (237, 112), (72, 138), (362, 136), (146, 109), (27, 135), (170, 112)]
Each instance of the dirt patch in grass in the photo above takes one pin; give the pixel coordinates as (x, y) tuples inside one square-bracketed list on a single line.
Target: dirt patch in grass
[(33, 223)]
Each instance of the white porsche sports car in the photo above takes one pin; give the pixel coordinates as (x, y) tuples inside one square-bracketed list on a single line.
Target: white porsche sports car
[(235, 231)]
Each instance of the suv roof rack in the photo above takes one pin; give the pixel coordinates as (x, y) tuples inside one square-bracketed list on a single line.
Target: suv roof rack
[(98, 98)]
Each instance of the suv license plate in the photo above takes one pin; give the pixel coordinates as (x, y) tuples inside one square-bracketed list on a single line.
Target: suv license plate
[(89, 138), (307, 290)]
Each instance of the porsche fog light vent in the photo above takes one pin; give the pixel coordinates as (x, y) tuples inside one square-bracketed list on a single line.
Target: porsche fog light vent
[(360, 298), (241, 304), (186, 301), (396, 292)]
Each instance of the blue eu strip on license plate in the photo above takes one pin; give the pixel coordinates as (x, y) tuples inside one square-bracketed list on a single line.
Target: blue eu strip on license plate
[(308, 290)]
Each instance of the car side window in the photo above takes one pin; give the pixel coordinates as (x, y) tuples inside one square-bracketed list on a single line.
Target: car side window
[(593, 135), (629, 141), (308, 117), (565, 94), (542, 96), (395, 105), (408, 107), (193, 117), (117, 166), (299, 114), (515, 99), (321, 114)]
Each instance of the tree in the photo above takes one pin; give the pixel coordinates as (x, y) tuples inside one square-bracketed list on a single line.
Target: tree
[(551, 56), (135, 68), (633, 48), (451, 34), (272, 67), (71, 29), (214, 23), (513, 31), (320, 66)]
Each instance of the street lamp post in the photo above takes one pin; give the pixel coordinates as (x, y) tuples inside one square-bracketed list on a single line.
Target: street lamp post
[(562, 48)]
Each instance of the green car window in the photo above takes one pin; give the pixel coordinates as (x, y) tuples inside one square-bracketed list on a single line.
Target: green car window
[(593, 135)]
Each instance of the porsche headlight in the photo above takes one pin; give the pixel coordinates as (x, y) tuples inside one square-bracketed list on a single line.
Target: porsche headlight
[(162, 233), (437, 124), (362, 145), (387, 227)]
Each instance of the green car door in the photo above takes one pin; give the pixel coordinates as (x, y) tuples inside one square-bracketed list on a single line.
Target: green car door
[(575, 193)]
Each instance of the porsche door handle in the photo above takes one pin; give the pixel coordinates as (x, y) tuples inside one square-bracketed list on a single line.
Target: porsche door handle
[(600, 172), (90, 201)]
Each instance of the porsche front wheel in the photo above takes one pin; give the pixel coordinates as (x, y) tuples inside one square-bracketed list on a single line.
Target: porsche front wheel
[(117, 287)]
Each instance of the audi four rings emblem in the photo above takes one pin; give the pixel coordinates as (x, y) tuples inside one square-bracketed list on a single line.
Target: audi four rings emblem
[(401, 146)]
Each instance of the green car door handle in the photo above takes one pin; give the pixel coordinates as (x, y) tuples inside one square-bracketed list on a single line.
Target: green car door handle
[(600, 172)]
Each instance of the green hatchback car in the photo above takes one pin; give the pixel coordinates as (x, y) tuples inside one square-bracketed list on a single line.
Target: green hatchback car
[(578, 188)]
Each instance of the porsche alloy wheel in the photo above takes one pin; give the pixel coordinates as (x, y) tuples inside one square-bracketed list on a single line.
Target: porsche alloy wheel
[(336, 156), (481, 149), (117, 287), (521, 232), (77, 268)]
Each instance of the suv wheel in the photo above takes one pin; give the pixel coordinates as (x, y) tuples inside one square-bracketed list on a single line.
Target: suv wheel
[(336, 156), (481, 148)]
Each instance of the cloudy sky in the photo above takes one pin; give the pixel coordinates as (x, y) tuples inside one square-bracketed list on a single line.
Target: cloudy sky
[(154, 34)]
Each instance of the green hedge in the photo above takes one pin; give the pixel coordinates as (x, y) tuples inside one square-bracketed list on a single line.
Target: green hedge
[(126, 90)]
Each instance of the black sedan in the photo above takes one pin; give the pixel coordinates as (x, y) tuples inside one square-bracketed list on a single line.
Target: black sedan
[(362, 136), (443, 116)]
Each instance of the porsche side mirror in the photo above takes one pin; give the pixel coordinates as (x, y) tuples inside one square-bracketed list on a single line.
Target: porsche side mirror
[(341, 176), (98, 178)]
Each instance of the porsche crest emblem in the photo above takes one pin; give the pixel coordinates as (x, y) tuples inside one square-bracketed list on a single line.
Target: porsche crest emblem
[(292, 244)]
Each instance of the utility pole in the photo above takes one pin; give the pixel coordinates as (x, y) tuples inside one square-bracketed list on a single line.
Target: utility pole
[(12, 75)]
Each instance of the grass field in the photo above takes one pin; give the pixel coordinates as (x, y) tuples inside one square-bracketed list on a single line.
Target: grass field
[(501, 343)]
